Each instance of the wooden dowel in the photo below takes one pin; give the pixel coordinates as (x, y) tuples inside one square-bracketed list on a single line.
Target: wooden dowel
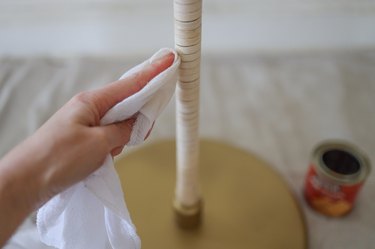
[(188, 203)]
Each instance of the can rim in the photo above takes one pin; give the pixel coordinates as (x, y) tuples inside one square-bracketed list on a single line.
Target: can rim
[(345, 146)]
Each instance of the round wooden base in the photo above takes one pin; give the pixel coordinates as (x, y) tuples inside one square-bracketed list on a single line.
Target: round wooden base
[(245, 203)]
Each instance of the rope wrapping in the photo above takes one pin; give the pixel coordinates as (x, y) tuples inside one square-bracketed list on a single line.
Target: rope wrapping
[(188, 16)]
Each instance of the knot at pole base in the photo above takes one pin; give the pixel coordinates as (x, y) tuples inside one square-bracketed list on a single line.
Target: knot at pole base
[(188, 217)]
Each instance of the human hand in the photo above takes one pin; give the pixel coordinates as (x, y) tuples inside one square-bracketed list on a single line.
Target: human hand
[(72, 144), (67, 148), (78, 144)]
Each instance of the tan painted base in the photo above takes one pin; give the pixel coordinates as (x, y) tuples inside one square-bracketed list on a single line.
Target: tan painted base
[(246, 204)]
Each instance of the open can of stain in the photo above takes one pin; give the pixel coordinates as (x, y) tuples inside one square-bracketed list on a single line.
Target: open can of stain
[(336, 173)]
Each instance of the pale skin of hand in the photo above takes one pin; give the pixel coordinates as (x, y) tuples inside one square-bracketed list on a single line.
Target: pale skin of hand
[(66, 149)]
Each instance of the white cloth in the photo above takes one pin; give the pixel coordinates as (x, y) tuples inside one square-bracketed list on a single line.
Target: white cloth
[(93, 214)]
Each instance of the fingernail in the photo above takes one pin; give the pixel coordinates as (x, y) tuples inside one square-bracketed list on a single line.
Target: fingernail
[(168, 56)]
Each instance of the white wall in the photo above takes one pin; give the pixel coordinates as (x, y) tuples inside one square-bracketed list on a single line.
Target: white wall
[(126, 27)]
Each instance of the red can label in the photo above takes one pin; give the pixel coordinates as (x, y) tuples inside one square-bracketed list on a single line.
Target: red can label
[(328, 197)]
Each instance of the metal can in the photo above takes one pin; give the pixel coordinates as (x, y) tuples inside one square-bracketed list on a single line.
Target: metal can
[(336, 173)]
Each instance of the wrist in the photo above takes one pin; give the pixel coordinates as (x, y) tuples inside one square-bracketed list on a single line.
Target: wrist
[(20, 172), (15, 199)]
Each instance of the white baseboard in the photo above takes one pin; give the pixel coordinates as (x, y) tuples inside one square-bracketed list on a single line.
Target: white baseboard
[(118, 28)]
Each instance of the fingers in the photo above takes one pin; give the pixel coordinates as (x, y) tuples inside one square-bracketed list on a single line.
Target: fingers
[(117, 150), (117, 134), (115, 92)]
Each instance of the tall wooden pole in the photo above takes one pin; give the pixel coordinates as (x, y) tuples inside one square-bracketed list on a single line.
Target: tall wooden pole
[(188, 203)]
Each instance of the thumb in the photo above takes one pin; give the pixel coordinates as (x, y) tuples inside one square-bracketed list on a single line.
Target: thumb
[(118, 134)]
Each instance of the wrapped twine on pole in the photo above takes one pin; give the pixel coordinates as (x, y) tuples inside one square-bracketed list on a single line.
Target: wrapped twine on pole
[(188, 203)]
